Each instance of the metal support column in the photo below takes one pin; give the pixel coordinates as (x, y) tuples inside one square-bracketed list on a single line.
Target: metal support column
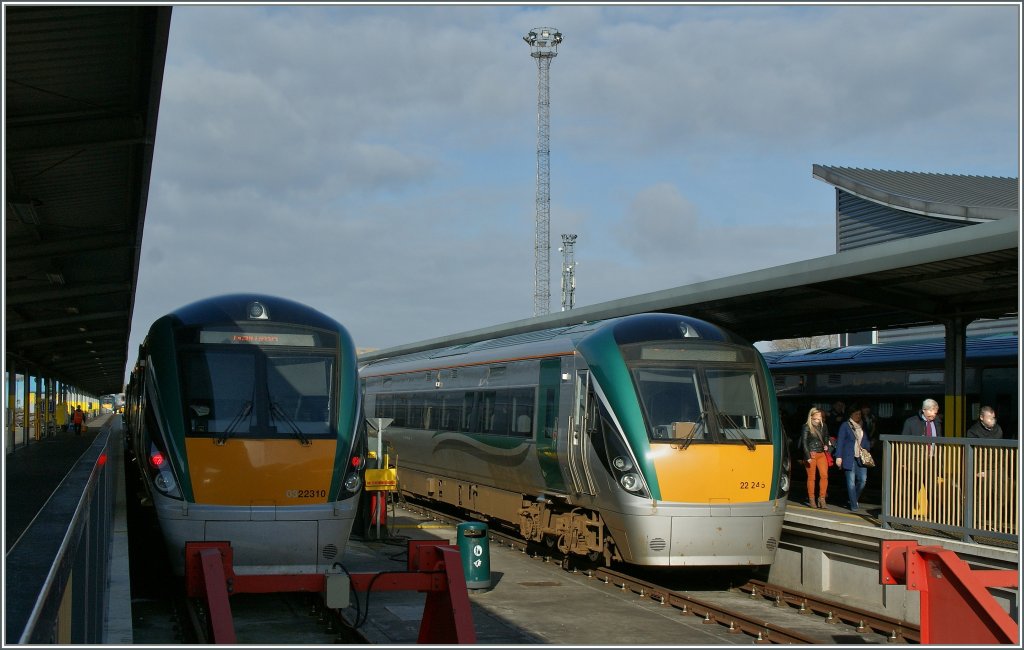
[(954, 413)]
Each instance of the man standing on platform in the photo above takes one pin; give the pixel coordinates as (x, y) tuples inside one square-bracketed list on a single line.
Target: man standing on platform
[(926, 422), (986, 426)]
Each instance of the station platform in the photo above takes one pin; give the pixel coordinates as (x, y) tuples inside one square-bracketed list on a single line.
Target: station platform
[(33, 473), (529, 601)]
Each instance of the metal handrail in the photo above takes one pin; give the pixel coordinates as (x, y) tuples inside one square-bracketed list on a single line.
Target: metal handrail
[(963, 486), (57, 571)]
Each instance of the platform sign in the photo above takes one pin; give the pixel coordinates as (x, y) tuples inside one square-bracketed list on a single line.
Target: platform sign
[(382, 480)]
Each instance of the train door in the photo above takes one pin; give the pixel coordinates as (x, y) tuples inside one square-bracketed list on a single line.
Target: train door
[(579, 436)]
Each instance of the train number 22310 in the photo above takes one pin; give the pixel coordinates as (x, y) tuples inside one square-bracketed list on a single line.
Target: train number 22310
[(751, 485), (305, 494)]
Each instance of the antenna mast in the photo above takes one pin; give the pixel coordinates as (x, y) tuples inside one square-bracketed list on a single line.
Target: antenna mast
[(568, 272), (543, 42)]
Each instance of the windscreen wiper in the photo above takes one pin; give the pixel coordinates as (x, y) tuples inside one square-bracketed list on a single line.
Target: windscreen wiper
[(244, 412), (275, 408), (731, 423), (697, 429)]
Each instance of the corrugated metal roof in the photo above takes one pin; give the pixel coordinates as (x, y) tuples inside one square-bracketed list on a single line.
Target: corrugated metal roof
[(860, 222), (946, 196)]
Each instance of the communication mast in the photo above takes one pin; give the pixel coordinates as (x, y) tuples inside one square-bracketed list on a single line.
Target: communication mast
[(543, 42), (568, 272)]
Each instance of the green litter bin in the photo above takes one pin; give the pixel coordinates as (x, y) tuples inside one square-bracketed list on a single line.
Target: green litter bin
[(476, 555)]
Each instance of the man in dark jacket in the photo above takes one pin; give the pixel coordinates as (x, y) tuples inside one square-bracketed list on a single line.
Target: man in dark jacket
[(986, 426), (926, 422)]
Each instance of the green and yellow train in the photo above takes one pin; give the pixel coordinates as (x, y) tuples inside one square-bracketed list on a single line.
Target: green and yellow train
[(244, 420), (651, 439)]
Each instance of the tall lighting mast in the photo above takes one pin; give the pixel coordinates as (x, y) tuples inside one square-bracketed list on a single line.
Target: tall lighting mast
[(543, 42), (568, 272)]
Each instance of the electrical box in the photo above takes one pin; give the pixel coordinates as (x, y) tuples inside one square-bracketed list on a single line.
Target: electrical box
[(337, 591)]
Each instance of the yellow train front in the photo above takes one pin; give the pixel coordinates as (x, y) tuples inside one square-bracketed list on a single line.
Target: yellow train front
[(244, 420)]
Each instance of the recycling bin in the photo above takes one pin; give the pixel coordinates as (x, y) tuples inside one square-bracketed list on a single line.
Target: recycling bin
[(476, 555)]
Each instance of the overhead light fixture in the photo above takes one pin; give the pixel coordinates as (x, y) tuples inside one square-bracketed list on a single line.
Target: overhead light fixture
[(55, 278)]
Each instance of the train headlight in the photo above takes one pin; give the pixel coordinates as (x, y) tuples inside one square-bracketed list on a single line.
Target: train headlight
[(622, 464), (353, 483), (165, 482), (784, 480), (631, 482), (256, 311)]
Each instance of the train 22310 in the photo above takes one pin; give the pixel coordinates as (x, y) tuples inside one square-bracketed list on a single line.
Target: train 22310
[(651, 439), (244, 420)]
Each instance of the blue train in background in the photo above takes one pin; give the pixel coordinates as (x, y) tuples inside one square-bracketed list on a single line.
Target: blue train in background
[(894, 378)]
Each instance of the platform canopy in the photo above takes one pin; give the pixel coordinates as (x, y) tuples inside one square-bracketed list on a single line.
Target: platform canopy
[(969, 273), (82, 88)]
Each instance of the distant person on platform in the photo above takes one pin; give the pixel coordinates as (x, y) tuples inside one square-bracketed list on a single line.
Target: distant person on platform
[(926, 422), (837, 416), (77, 418), (868, 420), (986, 426)]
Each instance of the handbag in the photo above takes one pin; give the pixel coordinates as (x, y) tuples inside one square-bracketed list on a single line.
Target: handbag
[(828, 458), (866, 458)]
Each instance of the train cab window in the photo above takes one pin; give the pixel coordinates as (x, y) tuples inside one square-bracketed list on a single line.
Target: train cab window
[(735, 397), (220, 390), (299, 392), (670, 398), (245, 392)]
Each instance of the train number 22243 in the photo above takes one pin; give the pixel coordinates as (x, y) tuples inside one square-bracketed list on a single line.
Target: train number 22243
[(751, 485)]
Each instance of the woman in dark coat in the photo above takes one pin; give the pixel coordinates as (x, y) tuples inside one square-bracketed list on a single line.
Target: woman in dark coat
[(853, 438)]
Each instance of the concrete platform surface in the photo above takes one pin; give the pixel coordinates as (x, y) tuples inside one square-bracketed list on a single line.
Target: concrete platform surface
[(529, 601)]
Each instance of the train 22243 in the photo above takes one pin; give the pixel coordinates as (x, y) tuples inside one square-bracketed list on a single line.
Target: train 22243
[(652, 439), (244, 419)]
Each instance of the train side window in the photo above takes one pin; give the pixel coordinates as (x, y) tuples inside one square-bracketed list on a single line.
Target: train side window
[(522, 411)]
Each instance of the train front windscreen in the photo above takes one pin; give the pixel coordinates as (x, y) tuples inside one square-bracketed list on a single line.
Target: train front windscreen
[(698, 394), (259, 384)]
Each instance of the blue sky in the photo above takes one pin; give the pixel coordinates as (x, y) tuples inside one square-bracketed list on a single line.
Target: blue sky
[(378, 162)]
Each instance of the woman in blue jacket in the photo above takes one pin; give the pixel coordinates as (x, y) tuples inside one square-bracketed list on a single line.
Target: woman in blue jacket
[(850, 440)]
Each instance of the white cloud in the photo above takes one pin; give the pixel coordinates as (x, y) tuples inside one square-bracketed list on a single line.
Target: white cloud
[(379, 162)]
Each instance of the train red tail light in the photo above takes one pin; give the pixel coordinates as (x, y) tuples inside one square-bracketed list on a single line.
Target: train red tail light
[(161, 473)]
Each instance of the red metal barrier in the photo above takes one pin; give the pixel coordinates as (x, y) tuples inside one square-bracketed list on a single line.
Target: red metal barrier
[(956, 606), (433, 567)]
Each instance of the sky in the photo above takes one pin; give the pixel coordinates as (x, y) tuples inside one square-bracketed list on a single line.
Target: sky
[(379, 162)]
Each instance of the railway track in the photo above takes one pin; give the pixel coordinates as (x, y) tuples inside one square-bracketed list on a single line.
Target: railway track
[(765, 612)]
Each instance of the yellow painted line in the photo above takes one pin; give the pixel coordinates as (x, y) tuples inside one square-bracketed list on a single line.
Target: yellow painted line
[(422, 526)]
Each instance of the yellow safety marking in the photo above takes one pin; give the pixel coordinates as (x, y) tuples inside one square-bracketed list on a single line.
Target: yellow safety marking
[(713, 473), (260, 472)]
